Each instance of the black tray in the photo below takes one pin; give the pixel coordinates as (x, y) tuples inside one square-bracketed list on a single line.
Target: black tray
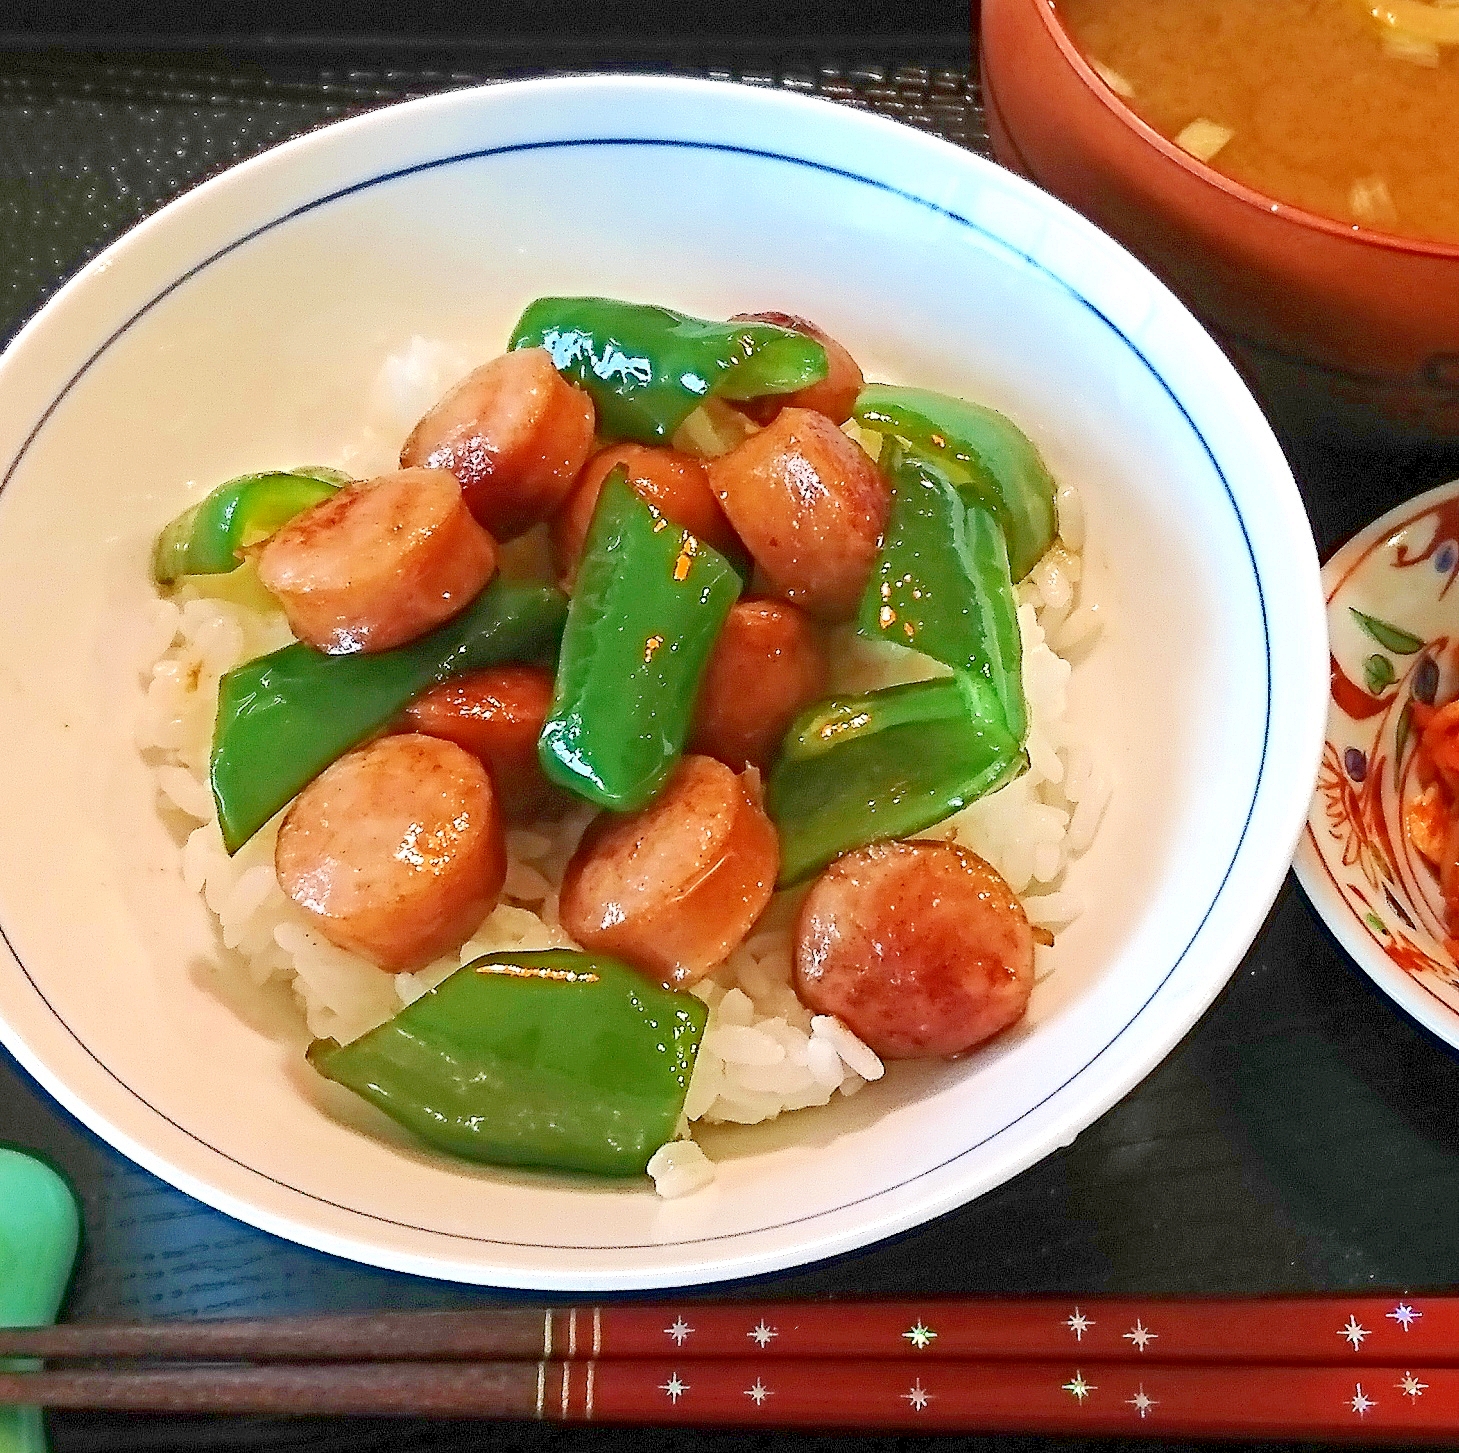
[(1301, 1138)]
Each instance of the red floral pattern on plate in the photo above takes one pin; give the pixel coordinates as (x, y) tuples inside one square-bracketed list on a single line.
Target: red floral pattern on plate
[(1394, 632)]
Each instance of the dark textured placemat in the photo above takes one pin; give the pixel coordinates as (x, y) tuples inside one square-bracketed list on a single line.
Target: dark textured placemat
[(88, 149), (1302, 1137)]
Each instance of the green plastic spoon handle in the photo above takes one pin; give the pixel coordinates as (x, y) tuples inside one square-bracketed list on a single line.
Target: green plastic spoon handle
[(40, 1228)]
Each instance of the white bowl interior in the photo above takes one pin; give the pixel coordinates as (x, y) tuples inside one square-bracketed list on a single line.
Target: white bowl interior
[(1199, 701)]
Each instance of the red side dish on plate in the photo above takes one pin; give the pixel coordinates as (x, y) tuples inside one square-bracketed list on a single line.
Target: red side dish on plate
[(1431, 815)]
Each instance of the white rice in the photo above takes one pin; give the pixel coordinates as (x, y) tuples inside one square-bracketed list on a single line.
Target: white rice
[(763, 1053)]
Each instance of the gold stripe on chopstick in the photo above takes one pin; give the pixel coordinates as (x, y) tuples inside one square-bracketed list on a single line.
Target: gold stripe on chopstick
[(541, 1387)]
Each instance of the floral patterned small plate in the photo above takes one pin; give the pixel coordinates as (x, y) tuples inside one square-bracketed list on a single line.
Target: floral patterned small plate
[(1393, 626)]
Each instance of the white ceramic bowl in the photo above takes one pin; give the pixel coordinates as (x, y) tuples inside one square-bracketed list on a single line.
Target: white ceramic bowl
[(243, 324)]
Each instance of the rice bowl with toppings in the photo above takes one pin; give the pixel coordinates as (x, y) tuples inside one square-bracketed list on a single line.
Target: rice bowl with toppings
[(764, 1053), (203, 1080)]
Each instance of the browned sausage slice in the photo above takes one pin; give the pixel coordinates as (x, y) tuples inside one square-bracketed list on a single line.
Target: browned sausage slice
[(396, 850), (674, 888), (919, 947), (676, 484), (515, 433), (810, 507), (497, 716), (379, 563), (834, 396), (768, 664)]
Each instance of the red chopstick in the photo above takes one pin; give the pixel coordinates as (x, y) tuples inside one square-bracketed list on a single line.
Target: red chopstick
[(1334, 1330), (1070, 1396), (1073, 1396)]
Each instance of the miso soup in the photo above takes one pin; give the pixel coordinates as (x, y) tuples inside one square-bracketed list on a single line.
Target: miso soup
[(1323, 104)]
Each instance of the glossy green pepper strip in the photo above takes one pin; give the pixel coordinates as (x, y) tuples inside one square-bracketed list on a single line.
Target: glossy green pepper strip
[(560, 1059), (283, 718), (855, 770), (941, 584), (983, 453), (649, 368), (648, 604), (207, 539)]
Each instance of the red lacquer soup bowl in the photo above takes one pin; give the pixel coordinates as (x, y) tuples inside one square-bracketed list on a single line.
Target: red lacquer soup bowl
[(1363, 319)]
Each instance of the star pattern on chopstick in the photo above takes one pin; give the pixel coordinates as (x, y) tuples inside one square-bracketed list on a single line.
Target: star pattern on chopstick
[(1354, 1332), (1140, 1335), (759, 1392), (763, 1334), (679, 1330), (676, 1387), (1079, 1324), (1404, 1315), (1142, 1402), (1410, 1386), (1078, 1387), (917, 1396), (920, 1336), (1361, 1402)]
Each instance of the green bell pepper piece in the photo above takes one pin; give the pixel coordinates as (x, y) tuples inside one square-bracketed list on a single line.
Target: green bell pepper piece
[(646, 610), (649, 368), (560, 1059), (987, 456), (283, 718), (40, 1228), (207, 539), (855, 770), (941, 584)]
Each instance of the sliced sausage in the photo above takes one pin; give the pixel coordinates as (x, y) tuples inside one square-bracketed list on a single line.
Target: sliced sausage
[(674, 888), (676, 484), (379, 563), (515, 433), (768, 664), (919, 947), (396, 850), (834, 396), (810, 507), (497, 716)]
